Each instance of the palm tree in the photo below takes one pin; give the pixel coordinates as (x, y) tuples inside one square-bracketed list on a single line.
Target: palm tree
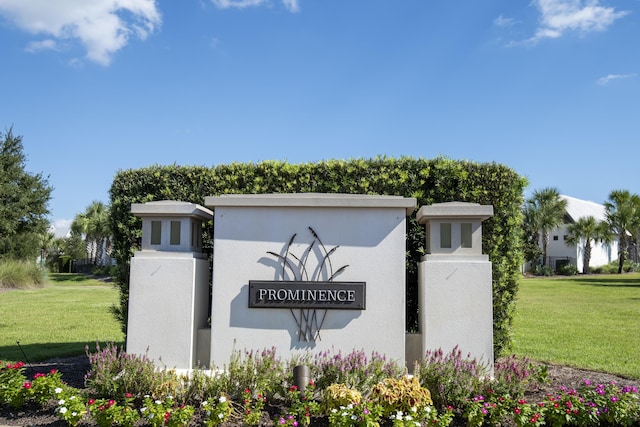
[(93, 223), (623, 218), (546, 210), (587, 229)]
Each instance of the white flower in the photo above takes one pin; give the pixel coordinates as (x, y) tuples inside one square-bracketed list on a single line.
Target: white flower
[(414, 409), (353, 417), (334, 410), (408, 418), (58, 390), (158, 402), (61, 402), (221, 415), (73, 414), (222, 399), (144, 408), (399, 414), (427, 409), (63, 410)]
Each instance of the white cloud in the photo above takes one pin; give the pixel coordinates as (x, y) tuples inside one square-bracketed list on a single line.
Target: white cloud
[(291, 5), (559, 16), (47, 44), (606, 79), (102, 26), (501, 21)]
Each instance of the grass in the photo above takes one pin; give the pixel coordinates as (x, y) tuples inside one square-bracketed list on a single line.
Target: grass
[(19, 275), (589, 322), (58, 320)]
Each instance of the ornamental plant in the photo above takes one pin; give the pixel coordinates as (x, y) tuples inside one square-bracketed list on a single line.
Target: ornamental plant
[(14, 386), (253, 406), (338, 395), (216, 410), (356, 370), (44, 386), (613, 404), (451, 378), (363, 414), (302, 406), (404, 395), (70, 405), (108, 412), (115, 373)]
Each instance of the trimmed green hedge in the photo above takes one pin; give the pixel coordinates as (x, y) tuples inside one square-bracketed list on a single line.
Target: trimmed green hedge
[(428, 180)]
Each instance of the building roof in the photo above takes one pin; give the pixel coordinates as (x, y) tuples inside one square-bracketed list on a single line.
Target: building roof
[(578, 208)]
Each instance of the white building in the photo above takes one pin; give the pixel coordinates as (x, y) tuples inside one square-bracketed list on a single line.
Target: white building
[(559, 253)]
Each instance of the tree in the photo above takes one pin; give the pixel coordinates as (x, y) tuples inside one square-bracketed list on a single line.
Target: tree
[(545, 210), (623, 217), (587, 229), (93, 223), (24, 200)]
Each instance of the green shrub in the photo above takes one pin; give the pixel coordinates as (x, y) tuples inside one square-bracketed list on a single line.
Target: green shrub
[(542, 270), (20, 274), (428, 180), (568, 270), (115, 374)]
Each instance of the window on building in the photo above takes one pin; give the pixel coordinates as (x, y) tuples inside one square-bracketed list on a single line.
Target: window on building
[(156, 232), (555, 237), (465, 234), (445, 235), (175, 233)]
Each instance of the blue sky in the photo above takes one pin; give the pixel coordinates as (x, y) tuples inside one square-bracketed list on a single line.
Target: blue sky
[(549, 88)]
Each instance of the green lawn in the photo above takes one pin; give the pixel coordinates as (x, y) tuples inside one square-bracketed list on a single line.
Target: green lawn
[(58, 320), (590, 322)]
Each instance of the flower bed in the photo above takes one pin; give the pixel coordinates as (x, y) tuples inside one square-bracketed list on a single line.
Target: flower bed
[(256, 388)]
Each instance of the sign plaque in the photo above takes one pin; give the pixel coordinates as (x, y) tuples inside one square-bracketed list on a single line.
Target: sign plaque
[(307, 294)]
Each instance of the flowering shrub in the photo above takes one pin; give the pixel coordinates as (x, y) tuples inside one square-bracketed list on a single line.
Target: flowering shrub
[(451, 378), (355, 369), (70, 405), (253, 406), (216, 411), (42, 387), (114, 373), (364, 414), (301, 407), (399, 401), (13, 384), (157, 413)]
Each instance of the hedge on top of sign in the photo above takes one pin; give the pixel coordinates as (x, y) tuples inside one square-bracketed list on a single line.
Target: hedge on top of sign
[(428, 180)]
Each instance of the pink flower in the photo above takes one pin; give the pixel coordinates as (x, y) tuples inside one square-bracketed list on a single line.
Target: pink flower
[(27, 385)]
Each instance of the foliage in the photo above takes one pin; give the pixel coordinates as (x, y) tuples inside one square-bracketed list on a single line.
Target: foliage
[(302, 406), (363, 414), (451, 378), (429, 181), (24, 199), (115, 374), (587, 229), (253, 406), (216, 410), (70, 405), (354, 369), (337, 395), (401, 394), (542, 270), (20, 274), (108, 412), (94, 224), (622, 210), (569, 270), (399, 402), (544, 211)]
